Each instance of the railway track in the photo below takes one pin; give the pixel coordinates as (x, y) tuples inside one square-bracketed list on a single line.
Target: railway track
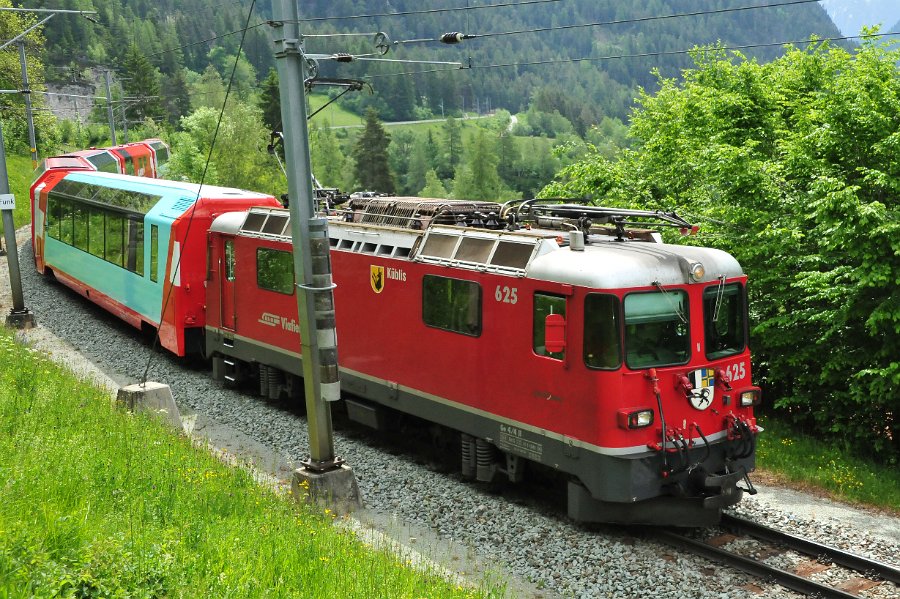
[(872, 570)]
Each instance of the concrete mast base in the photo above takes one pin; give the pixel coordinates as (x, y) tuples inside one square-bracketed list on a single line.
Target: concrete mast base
[(335, 490), (21, 319)]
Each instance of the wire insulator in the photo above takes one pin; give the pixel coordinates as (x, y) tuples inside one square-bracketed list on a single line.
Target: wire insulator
[(454, 37), (342, 57)]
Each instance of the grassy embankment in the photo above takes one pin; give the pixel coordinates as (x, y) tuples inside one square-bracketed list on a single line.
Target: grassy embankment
[(97, 502), (811, 464)]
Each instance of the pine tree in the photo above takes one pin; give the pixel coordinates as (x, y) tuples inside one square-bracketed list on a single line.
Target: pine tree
[(454, 148), (370, 155), (176, 96), (143, 83), (270, 101), (419, 167), (482, 163), (508, 159)]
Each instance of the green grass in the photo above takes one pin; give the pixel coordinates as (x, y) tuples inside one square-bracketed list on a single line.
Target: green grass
[(809, 463), (96, 502), (333, 116), (19, 171)]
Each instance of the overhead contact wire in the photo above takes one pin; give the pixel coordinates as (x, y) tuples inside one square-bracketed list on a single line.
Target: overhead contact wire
[(639, 55), (422, 12), (620, 21)]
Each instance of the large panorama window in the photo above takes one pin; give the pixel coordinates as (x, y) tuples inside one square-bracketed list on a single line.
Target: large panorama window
[(657, 331), (275, 270), (452, 304), (724, 320), (78, 215), (602, 345)]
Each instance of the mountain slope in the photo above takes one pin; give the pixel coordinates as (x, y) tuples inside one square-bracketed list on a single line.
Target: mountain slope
[(622, 48)]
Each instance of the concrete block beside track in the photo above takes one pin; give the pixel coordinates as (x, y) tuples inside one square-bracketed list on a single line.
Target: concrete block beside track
[(152, 398)]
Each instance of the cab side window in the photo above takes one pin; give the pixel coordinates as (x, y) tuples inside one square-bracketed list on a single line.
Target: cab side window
[(544, 305), (602, 332), (275, 270), (452, 304)]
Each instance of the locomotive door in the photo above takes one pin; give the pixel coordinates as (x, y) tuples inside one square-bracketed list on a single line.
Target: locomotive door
[(550, 360), (226, 282)]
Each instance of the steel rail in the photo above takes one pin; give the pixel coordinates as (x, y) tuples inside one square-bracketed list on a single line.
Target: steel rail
[(812, 548), (756, 568)]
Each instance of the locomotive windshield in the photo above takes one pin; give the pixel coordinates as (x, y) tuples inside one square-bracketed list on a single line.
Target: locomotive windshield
[(657, 331), (723, 320)]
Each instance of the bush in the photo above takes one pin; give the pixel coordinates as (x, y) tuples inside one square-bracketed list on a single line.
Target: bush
[(795, 163)]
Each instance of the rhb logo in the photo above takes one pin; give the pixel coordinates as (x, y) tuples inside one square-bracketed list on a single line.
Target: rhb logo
[(269, 319)]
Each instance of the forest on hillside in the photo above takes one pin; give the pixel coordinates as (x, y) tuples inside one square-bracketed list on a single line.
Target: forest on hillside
[(182, 38), (175, 60)]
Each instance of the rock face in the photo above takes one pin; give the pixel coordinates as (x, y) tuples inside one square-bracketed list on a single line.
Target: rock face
[(851, 15), (69, 107)]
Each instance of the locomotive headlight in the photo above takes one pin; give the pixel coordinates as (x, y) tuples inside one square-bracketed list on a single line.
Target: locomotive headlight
[(697, 272), (750, 398), (631, 419)]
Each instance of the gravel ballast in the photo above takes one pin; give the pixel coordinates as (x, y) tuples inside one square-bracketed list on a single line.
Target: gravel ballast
[(552, 555)]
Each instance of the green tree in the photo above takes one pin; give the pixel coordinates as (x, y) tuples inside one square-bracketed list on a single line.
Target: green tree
[(328, 161), (794, 163), (141, 83), (209, 91), (243, 80), (270, 101), (239, 157), (401, 156), (477, 179), (370, 156), (508, 158), (176, 96), (453, 147), (15, 129), (433, 186)]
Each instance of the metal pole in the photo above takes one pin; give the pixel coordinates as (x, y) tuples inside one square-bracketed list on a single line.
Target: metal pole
[(109, 112), (20, 316), (309, 232), (26, 91)]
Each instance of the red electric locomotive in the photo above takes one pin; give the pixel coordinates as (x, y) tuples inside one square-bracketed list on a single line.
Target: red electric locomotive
[(538, 333)]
